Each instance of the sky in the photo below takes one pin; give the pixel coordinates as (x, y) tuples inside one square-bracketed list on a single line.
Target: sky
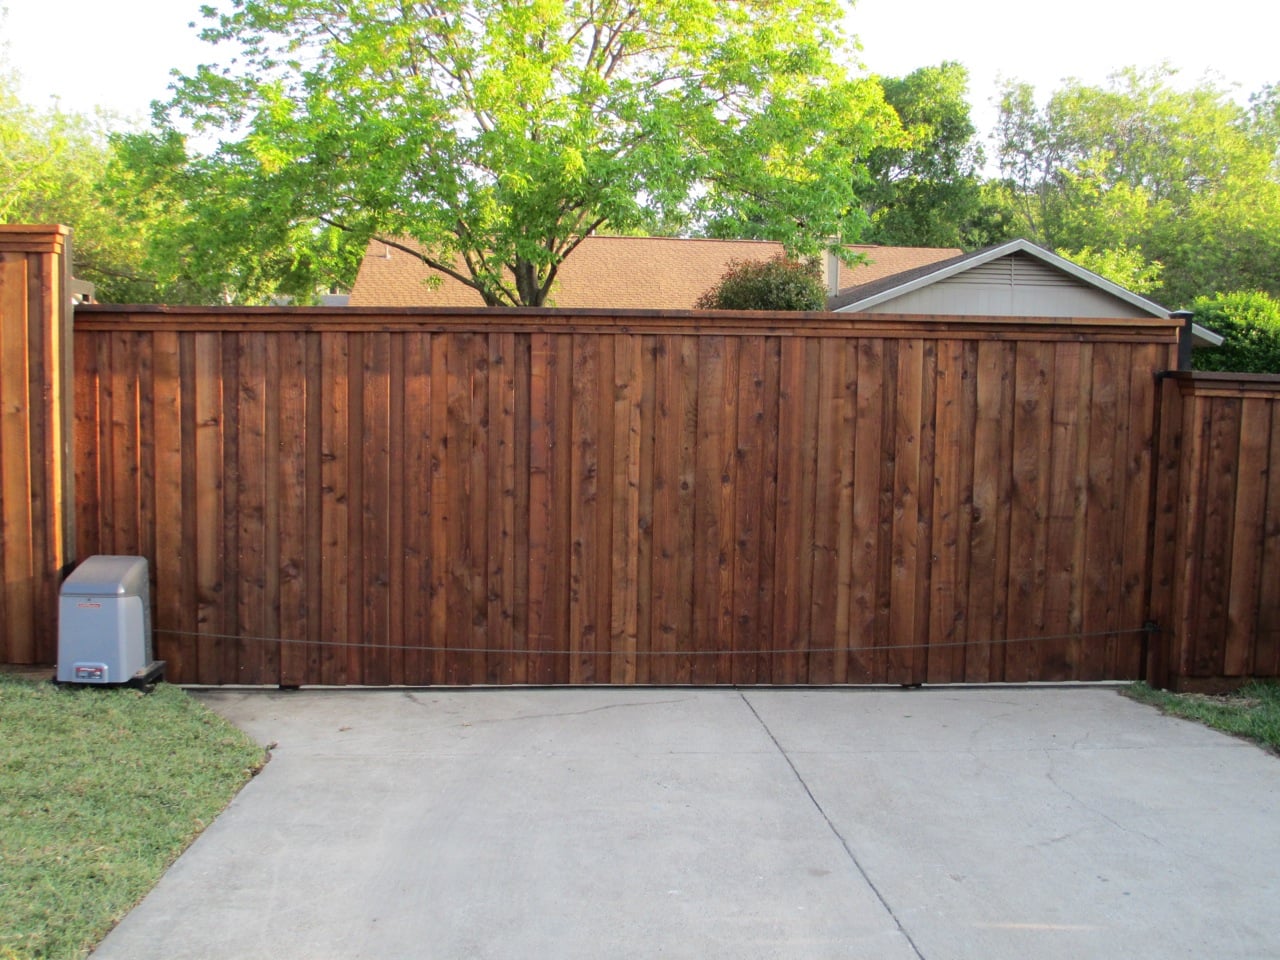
[(92, 53)]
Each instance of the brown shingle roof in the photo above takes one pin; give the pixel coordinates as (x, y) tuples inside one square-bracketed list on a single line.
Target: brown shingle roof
[(886, 261), (626, 272)]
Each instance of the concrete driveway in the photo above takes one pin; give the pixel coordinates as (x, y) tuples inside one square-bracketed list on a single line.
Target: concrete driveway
[(613, 823)]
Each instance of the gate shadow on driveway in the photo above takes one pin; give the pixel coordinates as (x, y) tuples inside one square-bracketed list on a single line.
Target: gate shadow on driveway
[(984, 822)]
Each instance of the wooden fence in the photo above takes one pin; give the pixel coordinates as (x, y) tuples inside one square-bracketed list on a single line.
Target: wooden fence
[(1217, 547), (350, 496), (344, 496), (36, 537)]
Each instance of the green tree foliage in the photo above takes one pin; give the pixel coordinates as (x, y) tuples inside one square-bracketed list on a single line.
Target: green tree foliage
[(776, 284), (1121, 265), (51, 168), (1250, 323), (499, 133), (1189, 177), (926, 190), (134, 207), (211, 231)]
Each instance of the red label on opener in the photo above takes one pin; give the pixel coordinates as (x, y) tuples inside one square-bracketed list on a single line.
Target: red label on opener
[(93, 606)]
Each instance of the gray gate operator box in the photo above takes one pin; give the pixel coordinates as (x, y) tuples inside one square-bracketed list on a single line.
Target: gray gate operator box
[(104, 623)]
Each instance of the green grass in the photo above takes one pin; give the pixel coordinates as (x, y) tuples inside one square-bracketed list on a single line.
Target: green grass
[(100, 790), (1252, 712)]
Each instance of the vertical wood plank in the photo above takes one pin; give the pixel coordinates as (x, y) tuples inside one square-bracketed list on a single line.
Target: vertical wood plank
[(1144, 360), (788, 639), (15, 494), (442, 506), (1266, 660), (273, 651), (541, 483), (644, 505), (868, 627), (107, 459), (418, 508), (674, 428), (1216, 572), (726, 482), (708, 467), (769, 508), (603, 592), (1103, 505), (585, 513), (356, 648), (249, 508), (397, 522), (1165, 535), (1192, 481), (334, 502), (1066, 498), (1032, 429), (87, 469), (824, 600), (844, 510), (166, 397), (207, 477), (476, 528), (377, 506), (1246, 539), (1116, 639), (945, 613), (124, 442), (748, 510), (291, 400), (924, 522), (625, 580), (501, 508), (905, 548), (460, 629), (522, 413), (314, 586)]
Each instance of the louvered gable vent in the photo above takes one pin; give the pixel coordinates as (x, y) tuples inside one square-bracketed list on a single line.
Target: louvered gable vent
[(1015, 270)]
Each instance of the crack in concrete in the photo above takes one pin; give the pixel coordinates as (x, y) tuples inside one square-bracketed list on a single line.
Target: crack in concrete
[(1051, 776), (853, 858)]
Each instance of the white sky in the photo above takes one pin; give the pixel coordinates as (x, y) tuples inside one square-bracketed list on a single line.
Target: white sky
[(95, 53)]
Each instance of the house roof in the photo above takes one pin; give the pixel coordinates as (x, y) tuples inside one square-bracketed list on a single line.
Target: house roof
[(658, 273), (881, 290)]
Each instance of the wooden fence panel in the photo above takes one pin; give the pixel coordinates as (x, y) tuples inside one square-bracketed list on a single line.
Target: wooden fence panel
[(448, 497), (37, 506), (1217, 531)]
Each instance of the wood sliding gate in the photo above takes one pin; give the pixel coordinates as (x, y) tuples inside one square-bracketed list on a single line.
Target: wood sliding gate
[(347, 497)]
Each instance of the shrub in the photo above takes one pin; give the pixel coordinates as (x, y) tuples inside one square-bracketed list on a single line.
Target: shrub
[(1250, 322), (777, 284)]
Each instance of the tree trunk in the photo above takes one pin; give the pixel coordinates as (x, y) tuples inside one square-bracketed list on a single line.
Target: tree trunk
[(527, 285)]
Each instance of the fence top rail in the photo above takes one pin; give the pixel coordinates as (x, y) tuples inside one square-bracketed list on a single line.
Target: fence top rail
[(112, 317), (1194, 383)]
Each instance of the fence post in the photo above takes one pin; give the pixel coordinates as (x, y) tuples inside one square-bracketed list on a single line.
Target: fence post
[(1167, 520), (37, 502)]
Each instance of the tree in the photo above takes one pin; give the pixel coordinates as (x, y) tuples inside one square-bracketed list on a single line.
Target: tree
[(1121, 265), (925, 191), (1249, 322), (210, 233), (51, 167), (497, 134), (775, 284), (1189, 177), (132, 216)]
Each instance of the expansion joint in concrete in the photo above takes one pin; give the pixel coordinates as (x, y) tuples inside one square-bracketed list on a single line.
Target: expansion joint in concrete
[(844, 843)]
